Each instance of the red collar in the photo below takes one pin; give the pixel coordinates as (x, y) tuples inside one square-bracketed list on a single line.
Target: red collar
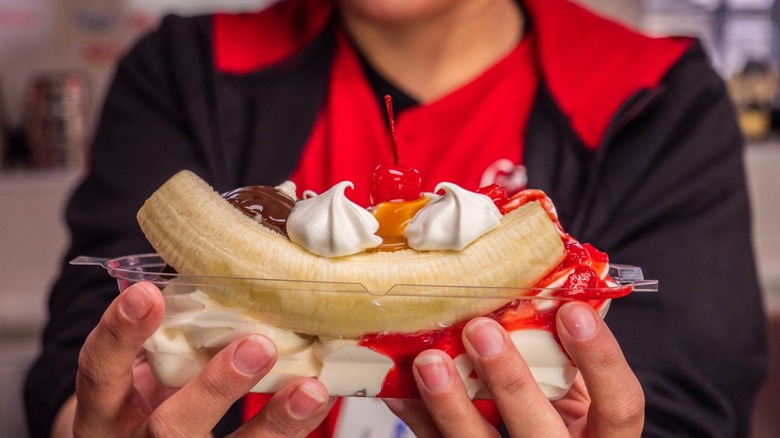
[(243, 43), (591, 65)]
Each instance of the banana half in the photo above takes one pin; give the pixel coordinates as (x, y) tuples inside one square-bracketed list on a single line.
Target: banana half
[(197, 232)]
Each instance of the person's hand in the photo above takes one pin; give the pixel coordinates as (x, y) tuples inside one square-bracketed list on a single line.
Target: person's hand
[(116, 394), (605, 400)]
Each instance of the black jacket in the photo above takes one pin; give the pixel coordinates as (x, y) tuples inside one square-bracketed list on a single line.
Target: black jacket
[(665, 190)]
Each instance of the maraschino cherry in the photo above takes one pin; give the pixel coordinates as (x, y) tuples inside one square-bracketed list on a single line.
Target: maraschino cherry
[(393, 182)]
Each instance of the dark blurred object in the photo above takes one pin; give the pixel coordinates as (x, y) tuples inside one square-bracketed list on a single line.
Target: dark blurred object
[(55, 122), (3, 129), (13, 145), (17, 154), (754, 90)]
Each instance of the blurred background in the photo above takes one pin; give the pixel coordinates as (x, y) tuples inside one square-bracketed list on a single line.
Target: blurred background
[(57, 56)]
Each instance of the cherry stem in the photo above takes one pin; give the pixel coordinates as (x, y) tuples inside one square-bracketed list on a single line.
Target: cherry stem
[(391, 123)]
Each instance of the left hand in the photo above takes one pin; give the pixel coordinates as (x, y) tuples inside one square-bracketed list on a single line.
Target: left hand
[(117, 395), (605, 400)]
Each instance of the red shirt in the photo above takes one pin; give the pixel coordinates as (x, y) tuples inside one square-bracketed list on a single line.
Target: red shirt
[(457, 138), (472, 136)]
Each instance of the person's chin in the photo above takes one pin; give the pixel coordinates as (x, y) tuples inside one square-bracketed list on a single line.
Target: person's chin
[(394, 11)]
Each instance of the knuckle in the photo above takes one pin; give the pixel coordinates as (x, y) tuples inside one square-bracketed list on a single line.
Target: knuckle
[(512, 384), (603, 360), (276, 423), (161, 426), (625, 412), (217, 386), (278, 426), (89, 374), (112, 330)]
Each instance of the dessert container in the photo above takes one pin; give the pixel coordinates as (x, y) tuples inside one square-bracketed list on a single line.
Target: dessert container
[(196, 326)]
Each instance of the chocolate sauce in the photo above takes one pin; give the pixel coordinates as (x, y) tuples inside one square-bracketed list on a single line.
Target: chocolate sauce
[(265, 204)]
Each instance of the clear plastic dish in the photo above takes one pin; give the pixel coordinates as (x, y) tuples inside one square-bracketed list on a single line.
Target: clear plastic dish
[(200, 319)]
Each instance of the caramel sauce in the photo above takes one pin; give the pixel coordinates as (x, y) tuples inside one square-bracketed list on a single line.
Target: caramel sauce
[(393, 217)]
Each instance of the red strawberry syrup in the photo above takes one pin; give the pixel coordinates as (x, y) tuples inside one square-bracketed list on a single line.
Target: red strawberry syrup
[(584, 284)]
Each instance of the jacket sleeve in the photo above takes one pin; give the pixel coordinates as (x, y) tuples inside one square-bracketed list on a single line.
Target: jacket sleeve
[(145, 135), (671, 197)]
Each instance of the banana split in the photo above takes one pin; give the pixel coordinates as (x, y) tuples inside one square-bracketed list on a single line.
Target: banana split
[(351, 295)]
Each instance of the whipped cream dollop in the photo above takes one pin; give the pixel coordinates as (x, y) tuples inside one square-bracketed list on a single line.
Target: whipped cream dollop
[(288, 188), (452, 221), (331, 225)]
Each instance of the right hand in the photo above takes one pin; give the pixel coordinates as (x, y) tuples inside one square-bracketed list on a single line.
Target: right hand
[(116, 394), (606, 399)]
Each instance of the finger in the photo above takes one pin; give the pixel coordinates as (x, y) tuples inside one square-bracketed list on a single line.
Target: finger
[(106, 360), (574, 405), (444, 394), (294, 411), (146, 383), (231, 373), (415, 415), (617, 406), (524, 407)]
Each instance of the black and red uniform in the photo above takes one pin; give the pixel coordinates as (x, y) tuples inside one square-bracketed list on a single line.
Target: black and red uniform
[(633, 138)]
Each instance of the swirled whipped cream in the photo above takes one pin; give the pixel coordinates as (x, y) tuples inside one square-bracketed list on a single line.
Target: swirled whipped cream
[(452, 221), (331, 225)]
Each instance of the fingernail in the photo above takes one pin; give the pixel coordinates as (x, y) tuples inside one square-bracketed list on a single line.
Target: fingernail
[(253, 354), (486, 338), (433, 372), (578, 320), (136, 303), (305, 400)]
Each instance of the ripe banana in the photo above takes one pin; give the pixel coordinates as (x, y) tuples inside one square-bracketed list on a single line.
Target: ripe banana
[(199, 233)]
